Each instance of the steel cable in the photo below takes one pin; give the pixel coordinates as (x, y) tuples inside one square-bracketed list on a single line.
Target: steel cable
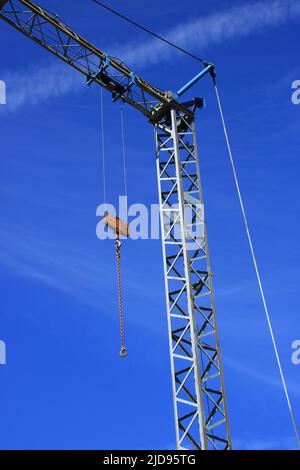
[(256, 268), (146, 30)]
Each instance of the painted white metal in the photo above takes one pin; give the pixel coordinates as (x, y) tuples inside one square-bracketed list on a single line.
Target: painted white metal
[(201, 420)]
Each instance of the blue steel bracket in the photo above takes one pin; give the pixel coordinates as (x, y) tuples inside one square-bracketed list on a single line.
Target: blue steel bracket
[(98, 73), (196, 103), (209, 68), (132, 82)]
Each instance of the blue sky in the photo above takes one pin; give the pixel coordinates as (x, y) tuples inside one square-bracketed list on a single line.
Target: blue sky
[(64, 385)]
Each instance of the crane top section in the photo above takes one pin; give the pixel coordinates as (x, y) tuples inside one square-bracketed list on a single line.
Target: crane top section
[(111, 73)]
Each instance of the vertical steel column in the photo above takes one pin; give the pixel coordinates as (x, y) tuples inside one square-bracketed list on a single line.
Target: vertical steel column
[(201, 420)]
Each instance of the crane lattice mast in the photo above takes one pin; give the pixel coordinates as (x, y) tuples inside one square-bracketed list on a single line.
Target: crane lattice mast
[(201, 417)]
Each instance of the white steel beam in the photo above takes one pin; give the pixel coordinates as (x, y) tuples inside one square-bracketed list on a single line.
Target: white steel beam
[(201, 419)]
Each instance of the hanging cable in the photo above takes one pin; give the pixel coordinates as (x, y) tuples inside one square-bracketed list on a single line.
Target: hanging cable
[(103, 150), (123, 149), (146, 30), (256, 267)]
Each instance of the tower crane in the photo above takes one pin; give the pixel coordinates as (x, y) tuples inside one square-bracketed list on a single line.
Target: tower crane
[(200, 409)]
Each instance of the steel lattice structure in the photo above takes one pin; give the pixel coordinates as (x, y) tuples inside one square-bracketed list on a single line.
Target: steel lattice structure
[(111, 73), (201, 418), (198, 386)]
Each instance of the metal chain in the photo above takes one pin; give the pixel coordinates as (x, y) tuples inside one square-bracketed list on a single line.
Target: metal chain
[(123, 350)]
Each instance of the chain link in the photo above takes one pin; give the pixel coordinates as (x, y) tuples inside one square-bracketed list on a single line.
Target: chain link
[(123, 351)]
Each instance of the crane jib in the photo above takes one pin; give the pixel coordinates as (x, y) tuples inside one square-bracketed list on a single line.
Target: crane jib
[(48, 31)]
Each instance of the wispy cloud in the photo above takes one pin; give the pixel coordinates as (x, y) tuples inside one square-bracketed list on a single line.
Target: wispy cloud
[(229, 24), (260, 375), (75, 270), (34, 256), (37, 84)]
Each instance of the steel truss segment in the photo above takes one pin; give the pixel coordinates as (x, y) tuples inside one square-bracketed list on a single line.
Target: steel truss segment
[(48, 31), (201, 419)]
